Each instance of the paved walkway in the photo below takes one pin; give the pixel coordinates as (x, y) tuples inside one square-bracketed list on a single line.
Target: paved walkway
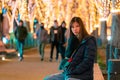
[(31, 68)]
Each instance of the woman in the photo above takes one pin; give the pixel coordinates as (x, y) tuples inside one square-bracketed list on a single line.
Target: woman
[(82, 59)]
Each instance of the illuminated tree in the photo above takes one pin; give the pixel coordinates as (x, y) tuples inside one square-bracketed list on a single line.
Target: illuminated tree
[(115, 28), (48, 10), (104, 10), (23, 10)]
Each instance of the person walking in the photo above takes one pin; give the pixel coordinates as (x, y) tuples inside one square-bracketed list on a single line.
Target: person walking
[(62, 40), (54, 40), (42, 36), (20, 34), (81, 62)]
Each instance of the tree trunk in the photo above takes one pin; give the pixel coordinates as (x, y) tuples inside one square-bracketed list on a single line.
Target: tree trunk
[(103, 34), (115, 30)]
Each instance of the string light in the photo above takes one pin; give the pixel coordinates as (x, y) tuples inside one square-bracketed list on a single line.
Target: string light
[(48, 10), (103, 19)]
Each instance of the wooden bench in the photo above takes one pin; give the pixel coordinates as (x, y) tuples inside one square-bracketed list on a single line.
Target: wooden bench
[(3, 50), (97, 72)]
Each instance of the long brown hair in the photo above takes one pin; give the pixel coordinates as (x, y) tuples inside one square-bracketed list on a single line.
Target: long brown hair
[(83, 32)]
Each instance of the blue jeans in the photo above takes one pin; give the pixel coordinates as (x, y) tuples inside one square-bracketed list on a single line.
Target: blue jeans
[(20, 48), (41, 48), (59, 76)]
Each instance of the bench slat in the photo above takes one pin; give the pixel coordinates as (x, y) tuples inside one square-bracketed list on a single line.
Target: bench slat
[(10, 50), (97, 72)]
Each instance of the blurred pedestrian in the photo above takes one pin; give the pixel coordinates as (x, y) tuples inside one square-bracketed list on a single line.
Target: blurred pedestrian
[(54, 40), (42, 36), (20, 34), (62, 39)]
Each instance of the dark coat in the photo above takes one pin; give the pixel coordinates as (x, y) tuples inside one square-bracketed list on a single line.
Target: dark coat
[(21, 33), (54, 34), (62, 38), (82, 63)]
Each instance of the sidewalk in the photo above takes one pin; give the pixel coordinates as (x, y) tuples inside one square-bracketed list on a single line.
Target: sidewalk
[(31, 68)]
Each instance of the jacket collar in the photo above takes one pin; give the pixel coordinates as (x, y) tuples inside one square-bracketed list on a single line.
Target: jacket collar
[(86, 39)]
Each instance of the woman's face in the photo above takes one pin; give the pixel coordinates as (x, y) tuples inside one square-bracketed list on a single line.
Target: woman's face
[(75, 28)]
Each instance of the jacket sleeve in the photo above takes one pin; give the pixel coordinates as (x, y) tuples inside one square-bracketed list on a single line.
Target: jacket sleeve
[(88, 60)]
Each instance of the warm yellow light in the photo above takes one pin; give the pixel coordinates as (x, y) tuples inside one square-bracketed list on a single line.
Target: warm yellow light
[(3, 58), (108, 38), (103, 19), (115, 10), (96, 26)]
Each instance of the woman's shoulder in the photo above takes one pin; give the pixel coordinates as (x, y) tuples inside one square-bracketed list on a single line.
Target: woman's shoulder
[(89, 37)]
